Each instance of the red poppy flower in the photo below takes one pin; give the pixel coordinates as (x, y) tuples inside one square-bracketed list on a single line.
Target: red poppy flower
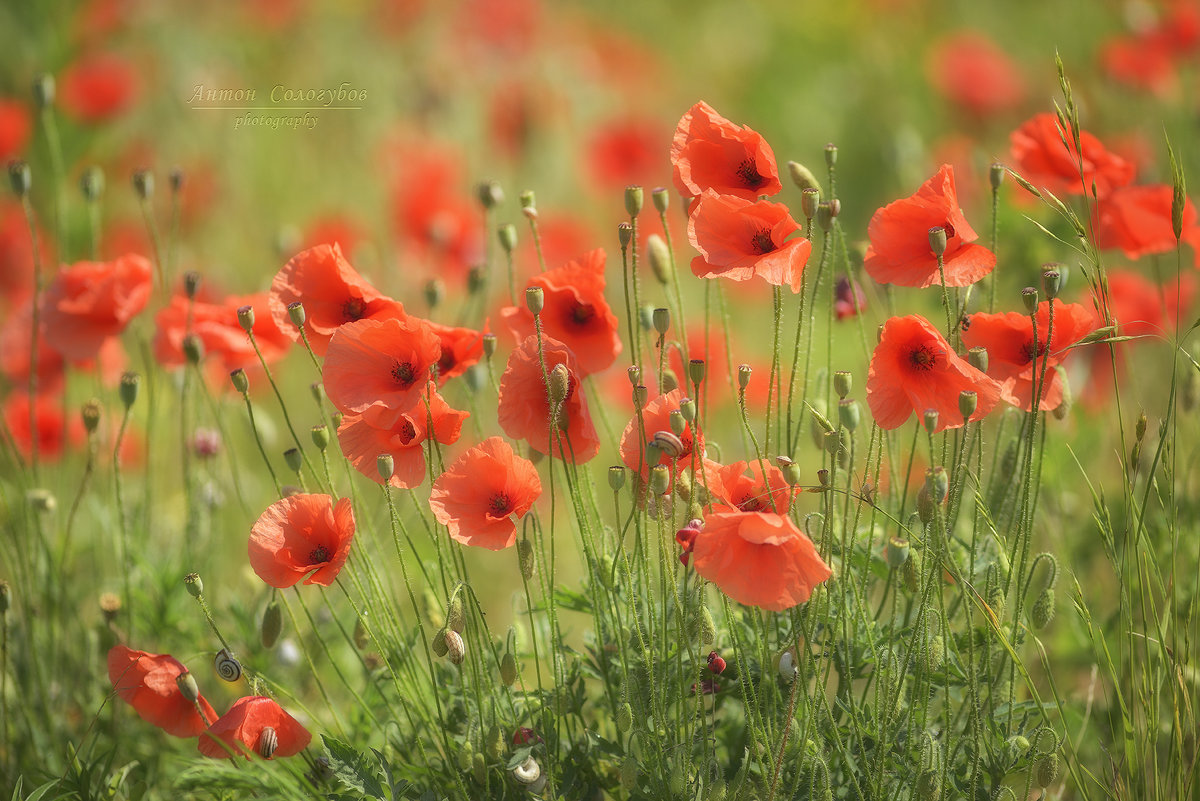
[(914, 369), (731, 488), (379, 368), (899, 252), (626, 151), (302, 537), (656, 417), (480, 492), (91, 301), (363, 443), (974, 74), (333, 294), (15, 126), (1137, 219), (574, 312), (98, 87), (461, 348), (758, 559), (740, 239), (216, 325), (525, 408), (1044, 161), (1012, 359), (710, 152), (147, 683), (244, 729)]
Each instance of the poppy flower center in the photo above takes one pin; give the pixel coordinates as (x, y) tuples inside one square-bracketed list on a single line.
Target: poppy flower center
[(583, 313), (761, 242), (354, 309), (318, 555), (500, 503), (922, 358), (748, 172), (404, 373)]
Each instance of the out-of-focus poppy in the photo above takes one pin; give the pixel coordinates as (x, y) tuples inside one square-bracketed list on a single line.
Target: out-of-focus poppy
[(914, 369), (363, 443), (1045, 161), (524, 411), (98, 87), (739, 239), (710, 152), (90, 301), (480, 492), (758, 559), (900, 251), (302, 537), (974, 74), (255, 725), (147, 682)]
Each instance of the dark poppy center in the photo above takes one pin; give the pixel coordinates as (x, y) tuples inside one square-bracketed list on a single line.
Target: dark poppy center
[(500, 503), (748, 172), (404, 373), (922, 358), (354, 309), (762, 242), (583, 313), (318, 555)]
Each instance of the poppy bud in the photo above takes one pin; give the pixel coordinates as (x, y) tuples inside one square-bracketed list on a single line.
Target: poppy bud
[(937, 240), (661, 198), (240, 382), (687, 410), (996, 175), (455, 618), (810, 202), (272, 624), (930, 419), (20, 177), (535, 299), (44, 90), (385, 465), (660, 479), (744, 373), (320, 436), (616, 477), (848, 413), (802, 176), (1043, 609), (1029, 296), (508, 669), (633, 200), (525, 558), (896, 552), (490, 194), (715, 663), (143, 184), (194, 585), (560, 384), (245, 317), (659, 257), (91, 183), (186, 683), (624, 234), (293, 459), (640, 396), (507, 235), (968, 401), (977, 357), (696, 371), (91, 415)]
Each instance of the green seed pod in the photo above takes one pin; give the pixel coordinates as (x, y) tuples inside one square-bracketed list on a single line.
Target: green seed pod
[(272, 624), (624, 717), (508, 669), (1043, 609)]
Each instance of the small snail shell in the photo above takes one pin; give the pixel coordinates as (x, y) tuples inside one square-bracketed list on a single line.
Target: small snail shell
[(528, 771), (668, 443), (268, 741), (228, 668)]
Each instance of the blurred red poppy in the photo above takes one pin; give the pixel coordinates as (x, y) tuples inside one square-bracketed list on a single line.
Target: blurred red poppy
[(914, 369), (1137, 220), (255, 725), (524, 411), (15, 126), (900, 253), (363, 443), (739, 239), (480, 492), (710, 152), (379, 368), (758, 559), (98, 87), (574, 312), (973, 73), (302, 537), (1045, 161), (91, 301), (147, 682), (333, 294), (1013, 360)]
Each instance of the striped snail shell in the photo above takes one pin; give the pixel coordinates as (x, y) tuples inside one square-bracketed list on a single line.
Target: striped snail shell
[(228, 668), (268, 741), (668, 443)]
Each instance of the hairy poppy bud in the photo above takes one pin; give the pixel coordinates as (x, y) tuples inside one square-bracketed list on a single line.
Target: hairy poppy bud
[(91, 183), (661, 199), (143, 184), (507, 234), (272, 624), (240, 382), (245, 317), (659, 257), (633, 200)]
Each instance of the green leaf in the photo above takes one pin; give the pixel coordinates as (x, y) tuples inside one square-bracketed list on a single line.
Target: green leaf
[(352, 768)]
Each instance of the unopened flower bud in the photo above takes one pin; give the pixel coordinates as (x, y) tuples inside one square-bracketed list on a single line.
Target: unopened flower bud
[(661, 199), (633, 200), (91, 415), (91, 183), (245, 317), (20, 177), (624, 234), (186, 683), (937, 240), (143, 184), (744, 373), (1029, 296), (385, 464), (193, 584), (272, 624), (659, 257), (968, 401), (535, 299), (490, 194), (507, 234)]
